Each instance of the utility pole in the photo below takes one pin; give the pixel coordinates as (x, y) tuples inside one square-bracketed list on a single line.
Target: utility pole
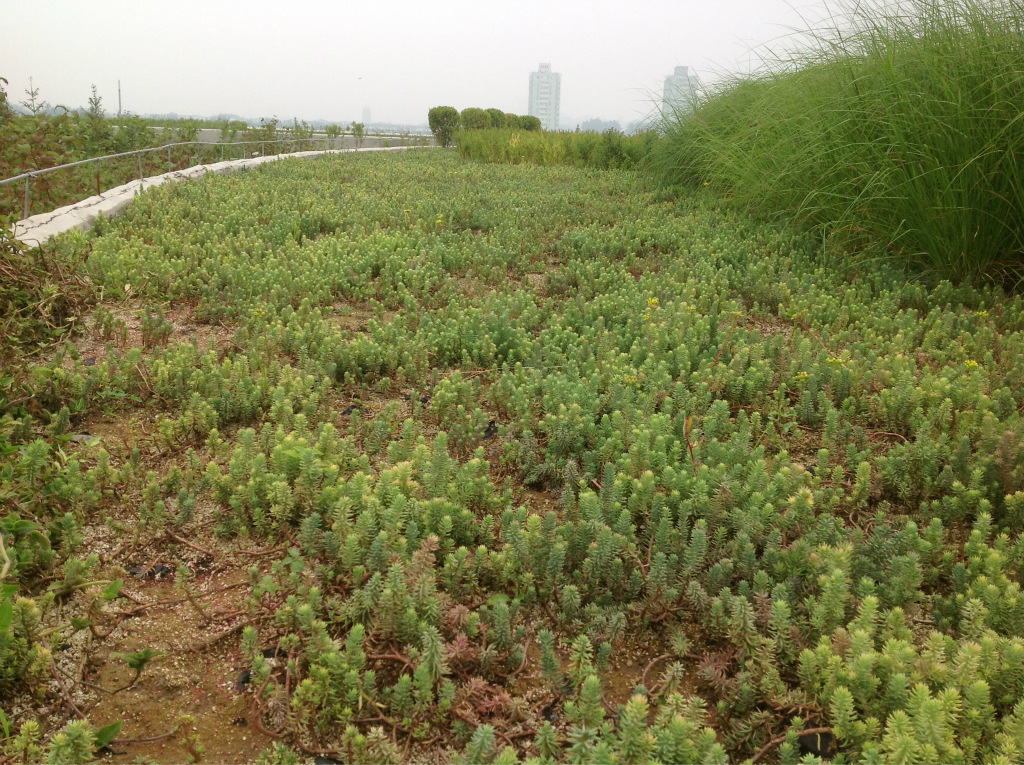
[(119, 102)]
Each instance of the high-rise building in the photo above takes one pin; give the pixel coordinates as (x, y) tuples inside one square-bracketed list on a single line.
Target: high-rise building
[(366, 115), (680, 90), (545, 96)]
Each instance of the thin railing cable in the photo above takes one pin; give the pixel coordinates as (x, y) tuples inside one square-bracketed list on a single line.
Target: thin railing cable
[(27, 177)]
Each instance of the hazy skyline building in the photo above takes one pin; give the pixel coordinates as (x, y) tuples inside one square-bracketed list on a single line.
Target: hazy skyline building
[(680, 89), (545, 96), (366, 115)]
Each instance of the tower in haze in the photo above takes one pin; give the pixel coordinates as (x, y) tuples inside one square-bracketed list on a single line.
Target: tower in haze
[(545, 96), (680, 90), (366, 115)]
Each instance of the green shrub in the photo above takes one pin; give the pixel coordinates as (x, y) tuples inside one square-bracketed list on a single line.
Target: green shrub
[(443, 121), (497, 117), (529, 122), (473, 118)]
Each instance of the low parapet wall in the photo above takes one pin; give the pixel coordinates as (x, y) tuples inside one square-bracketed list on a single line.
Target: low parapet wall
[(37, 229)]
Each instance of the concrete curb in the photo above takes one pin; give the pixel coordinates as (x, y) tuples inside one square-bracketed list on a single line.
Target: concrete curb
[(37, 229)]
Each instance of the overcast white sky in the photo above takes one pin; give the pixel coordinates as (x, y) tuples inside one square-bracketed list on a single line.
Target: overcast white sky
[(327, 60)]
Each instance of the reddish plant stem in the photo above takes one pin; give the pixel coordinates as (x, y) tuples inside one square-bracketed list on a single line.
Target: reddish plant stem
[(394, 656)]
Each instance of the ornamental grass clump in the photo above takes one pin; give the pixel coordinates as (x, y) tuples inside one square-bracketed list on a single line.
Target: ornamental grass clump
[(899, 127)]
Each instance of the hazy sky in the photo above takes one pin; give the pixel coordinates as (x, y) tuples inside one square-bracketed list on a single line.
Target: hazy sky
[(328, 60)]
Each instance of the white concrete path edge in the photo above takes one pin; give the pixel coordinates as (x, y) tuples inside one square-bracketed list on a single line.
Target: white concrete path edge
[(37, 229)]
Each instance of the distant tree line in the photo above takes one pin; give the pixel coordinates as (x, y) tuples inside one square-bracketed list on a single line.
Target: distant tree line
[(596, 125), (446, 120)]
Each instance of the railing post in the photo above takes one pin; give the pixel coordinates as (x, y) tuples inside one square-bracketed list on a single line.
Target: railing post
[(28, 182)]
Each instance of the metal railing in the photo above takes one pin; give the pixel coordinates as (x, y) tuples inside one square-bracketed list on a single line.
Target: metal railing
[(27, 177)]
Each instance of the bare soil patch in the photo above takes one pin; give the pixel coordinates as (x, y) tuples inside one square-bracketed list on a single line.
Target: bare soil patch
[(194, 693)]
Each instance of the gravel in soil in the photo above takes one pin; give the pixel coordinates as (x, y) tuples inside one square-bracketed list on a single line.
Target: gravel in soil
[(191, 692)]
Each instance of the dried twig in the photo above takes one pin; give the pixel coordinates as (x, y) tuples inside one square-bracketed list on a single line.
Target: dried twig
[(779, 739), (145, 740), (194, 546), (66, 693), (219, 636), (138, 674), (261, 553), (650, 666)]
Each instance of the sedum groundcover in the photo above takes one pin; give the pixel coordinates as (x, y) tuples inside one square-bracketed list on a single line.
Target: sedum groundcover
[(551, 466)]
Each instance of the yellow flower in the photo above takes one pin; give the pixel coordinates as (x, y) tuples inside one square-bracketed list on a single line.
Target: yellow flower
[(971, 364)]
